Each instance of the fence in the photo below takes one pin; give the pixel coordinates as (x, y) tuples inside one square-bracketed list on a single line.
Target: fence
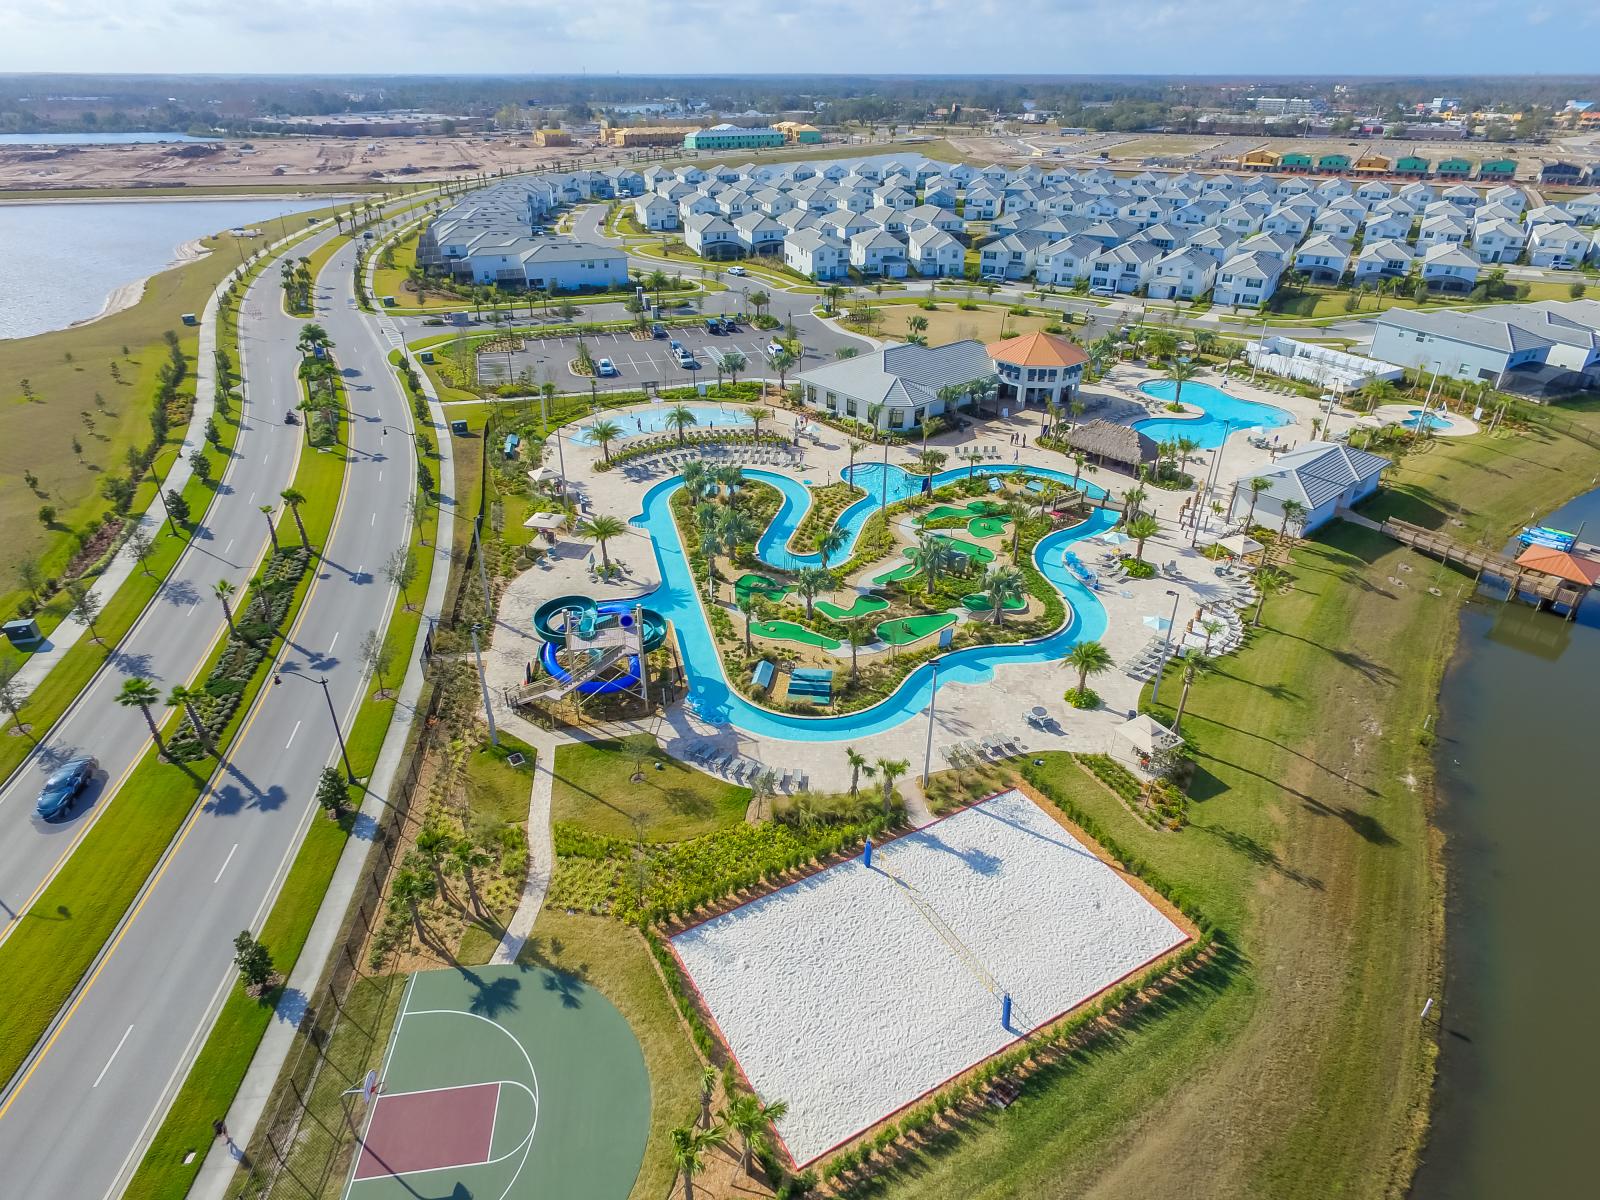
[(302, 1144)]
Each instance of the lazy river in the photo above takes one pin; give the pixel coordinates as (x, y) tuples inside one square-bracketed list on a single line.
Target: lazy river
[(715, 700)]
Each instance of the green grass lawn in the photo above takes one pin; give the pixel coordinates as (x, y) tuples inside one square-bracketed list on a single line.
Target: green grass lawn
[(593, 788)]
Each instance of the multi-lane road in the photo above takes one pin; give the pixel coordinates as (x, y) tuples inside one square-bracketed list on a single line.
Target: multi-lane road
[(76, 1119)]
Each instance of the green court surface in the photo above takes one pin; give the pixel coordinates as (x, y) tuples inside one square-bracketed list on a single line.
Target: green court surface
[(863, 606), (983, 527), (504, 1083), (977, 508), (904, 630), (788, 631), (978, 602), (971, 549), (769, 590)]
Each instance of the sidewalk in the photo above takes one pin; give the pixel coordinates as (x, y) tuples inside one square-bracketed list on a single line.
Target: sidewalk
[(250, 1101)]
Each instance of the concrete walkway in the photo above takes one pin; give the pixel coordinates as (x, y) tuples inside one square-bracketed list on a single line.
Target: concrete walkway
[(541, 846), (250, 1101)]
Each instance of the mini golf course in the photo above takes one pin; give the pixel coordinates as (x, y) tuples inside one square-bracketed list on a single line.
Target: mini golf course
[(986, 527), (977, 508), (788, 631), (904, 630), (979, 603), (903, 571), (769, 590), (863, 606)]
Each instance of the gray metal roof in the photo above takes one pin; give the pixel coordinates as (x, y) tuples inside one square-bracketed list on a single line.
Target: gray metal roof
[(1317, 472), (904, 374)]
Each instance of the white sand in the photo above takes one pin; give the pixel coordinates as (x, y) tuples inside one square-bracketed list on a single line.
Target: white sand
[(852, 993)]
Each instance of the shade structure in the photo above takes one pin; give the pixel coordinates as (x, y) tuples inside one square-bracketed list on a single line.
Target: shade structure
[(1149, 736), (546, 521), (1114, 538), (1564, 564), (1159, 624), (1239, 544)]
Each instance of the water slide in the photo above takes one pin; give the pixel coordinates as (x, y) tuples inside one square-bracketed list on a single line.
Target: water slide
[(590, 620)]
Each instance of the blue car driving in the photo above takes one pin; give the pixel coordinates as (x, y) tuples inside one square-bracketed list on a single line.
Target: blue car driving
[(62, 789)]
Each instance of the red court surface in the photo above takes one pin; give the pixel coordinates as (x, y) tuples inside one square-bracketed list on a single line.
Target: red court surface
[(429, 1131)]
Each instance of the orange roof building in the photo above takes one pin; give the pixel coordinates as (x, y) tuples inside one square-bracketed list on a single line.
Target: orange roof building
[(1574, 568), (1038, 368)]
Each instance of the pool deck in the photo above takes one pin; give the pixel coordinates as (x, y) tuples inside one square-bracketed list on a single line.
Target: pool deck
[(1461, 425), (962, 711)]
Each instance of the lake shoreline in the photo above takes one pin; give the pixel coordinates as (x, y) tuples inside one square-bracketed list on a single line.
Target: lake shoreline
[(128, 294)]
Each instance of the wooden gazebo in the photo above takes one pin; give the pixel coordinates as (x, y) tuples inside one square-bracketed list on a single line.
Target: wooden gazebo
[(1107, 442)]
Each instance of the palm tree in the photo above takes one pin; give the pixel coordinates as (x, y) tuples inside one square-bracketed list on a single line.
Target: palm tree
[(810, 582), (972, 458), (734, 529), (931, 555), (1257, 486), (849, 471), (689, 1147), (830, 544), (1088, 658), (1179, 373), (272, 526), (749, 1118), (412, 887), (313, 337), (466, 858), (1212, 627), (1132, 499), (1293, 511), (874, 411), (1269, 579), (601, 530), (858, 766), (655, 282), (758, 415), (889, 769), (708, 1087), (748, 604), (1019, 511), (981, 391), (182, 697), (852, 639), (929, 461), (931, 427), (294, 499), (759, 301), (1140, 529), (138, 692), (695, 477), (222, 589), (1186, 447), (831, 294), (1049, 493), (916, 331), (605, 432), (1001, 585), (1193, 665), (681, 418), (1077, 469), (783, 362)]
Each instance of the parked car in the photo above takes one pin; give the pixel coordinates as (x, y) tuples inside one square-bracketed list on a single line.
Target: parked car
[(774, 348), (675, 346), (605, 368), (686, 359), (737, 271), (714, 325), (657, 329), (65, 785), (730, 325)]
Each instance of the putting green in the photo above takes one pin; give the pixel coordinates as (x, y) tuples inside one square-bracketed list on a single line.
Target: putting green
[(788, 631), (977, 508), (978, 602), (768, 589), (984, 527), (904, 571), (863, 606), (904, 630), (970, 549)]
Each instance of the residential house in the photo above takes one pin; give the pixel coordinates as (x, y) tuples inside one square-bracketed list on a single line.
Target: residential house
[(980, 204), (1513, 198), (655, 213), (1560, 246), (1551, 214), (1498, 241), (1276, 245), (1381, 223), (1447, 229), (1321, 477), (1585, 208), (759, 233), (710, 236), (1123, 269), (933, 252), (1011, 257), (1218, 243), (1323, 259), (1462, 196), (1384, 258), (1449, 268), (1336, 222), (939, 218), (816, 254), (878, 252), (1248, 279), (1291, 221), (1458, 344), (1063, 263), (1184, 274)]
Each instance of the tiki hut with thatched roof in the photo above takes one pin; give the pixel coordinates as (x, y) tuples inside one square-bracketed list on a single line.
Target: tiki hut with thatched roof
[(1108, 443)]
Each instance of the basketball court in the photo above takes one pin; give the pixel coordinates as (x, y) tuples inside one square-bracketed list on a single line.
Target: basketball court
[(500, 1083)]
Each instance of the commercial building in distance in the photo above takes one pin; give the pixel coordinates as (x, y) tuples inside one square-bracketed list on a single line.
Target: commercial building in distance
[(645, 136), (733, 137), (799, 133), (552, 137)]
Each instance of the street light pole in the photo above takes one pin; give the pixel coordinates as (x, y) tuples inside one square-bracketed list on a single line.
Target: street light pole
[(483, 686), (1166, 641), (927, 751), (344, 751)]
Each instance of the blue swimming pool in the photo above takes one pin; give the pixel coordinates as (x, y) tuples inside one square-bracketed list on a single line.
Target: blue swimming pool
[(1224, 414), (1416, 419), (654, 420), (715, 700)]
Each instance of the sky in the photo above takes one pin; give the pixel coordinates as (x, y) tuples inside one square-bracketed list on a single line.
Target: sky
[(983, 37)]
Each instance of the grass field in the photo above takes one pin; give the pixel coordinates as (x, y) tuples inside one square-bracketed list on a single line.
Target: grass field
[(952, 324), (593, 788)]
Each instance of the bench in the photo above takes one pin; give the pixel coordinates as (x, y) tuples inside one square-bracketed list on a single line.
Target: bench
[(761, 677)]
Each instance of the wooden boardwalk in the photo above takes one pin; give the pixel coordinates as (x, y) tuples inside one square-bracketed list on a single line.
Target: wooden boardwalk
[(1546, 589)]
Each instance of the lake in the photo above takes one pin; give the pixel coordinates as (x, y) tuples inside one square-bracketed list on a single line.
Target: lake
[(96, 139), (1515, 1107), (64, 261)]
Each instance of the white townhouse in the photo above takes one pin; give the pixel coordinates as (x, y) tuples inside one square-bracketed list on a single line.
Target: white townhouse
[(878, 252), (816, 254), (1336, 222), (1163, 237), (1560, 246), (1184, 274), (1274, 245), (1586, 209), (933, 252), (1323, 259), (980, 204), (939, 218), (1218, 243), (1011, 257), (940, 195), (759, 233), (1513, 198), (773, 202), (1443, 230), (845, 225), (1449, 268), (1417, 194), (1124, 269), (1498, 241), (698, 204), (1248, 279), (1462, 196), (564, 265), (884, 217), (1291, 221), (1385, 258), (1386, 223), (1065, 262), (1243, 219), (894, 197), (710, 236), (1372, 191), (655, 213), (1550, 214)]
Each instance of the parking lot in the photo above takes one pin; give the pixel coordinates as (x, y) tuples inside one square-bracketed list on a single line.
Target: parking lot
[(640, 362)]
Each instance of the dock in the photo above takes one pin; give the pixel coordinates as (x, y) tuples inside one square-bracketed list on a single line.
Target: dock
[(1544, 588)]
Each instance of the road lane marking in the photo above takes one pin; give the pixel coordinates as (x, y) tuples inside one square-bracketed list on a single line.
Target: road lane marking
[(225, 863), (228, 547), (292, 732), (335, 641), (113, 1057), (374, 520)]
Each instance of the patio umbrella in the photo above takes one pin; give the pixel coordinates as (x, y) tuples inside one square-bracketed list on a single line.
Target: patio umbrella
[(1115, 538), (1159, 624)]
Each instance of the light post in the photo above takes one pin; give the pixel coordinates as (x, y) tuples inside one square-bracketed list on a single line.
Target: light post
[(1211, 478), (344, 753), (927, 751), (483, 685), (1166, 641)]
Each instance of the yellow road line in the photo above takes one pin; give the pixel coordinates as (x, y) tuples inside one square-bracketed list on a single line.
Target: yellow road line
[(194, 817)]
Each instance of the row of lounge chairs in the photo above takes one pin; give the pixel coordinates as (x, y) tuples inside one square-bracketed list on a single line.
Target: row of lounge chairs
[(737, 768), (971, 750)]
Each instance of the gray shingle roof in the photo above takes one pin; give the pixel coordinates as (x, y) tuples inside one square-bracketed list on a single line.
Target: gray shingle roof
[(904, 374)]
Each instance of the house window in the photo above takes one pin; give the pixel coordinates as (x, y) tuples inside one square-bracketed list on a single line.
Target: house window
[(897, 418)]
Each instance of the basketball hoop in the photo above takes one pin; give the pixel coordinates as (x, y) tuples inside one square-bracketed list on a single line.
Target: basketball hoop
[(370, 1086)]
